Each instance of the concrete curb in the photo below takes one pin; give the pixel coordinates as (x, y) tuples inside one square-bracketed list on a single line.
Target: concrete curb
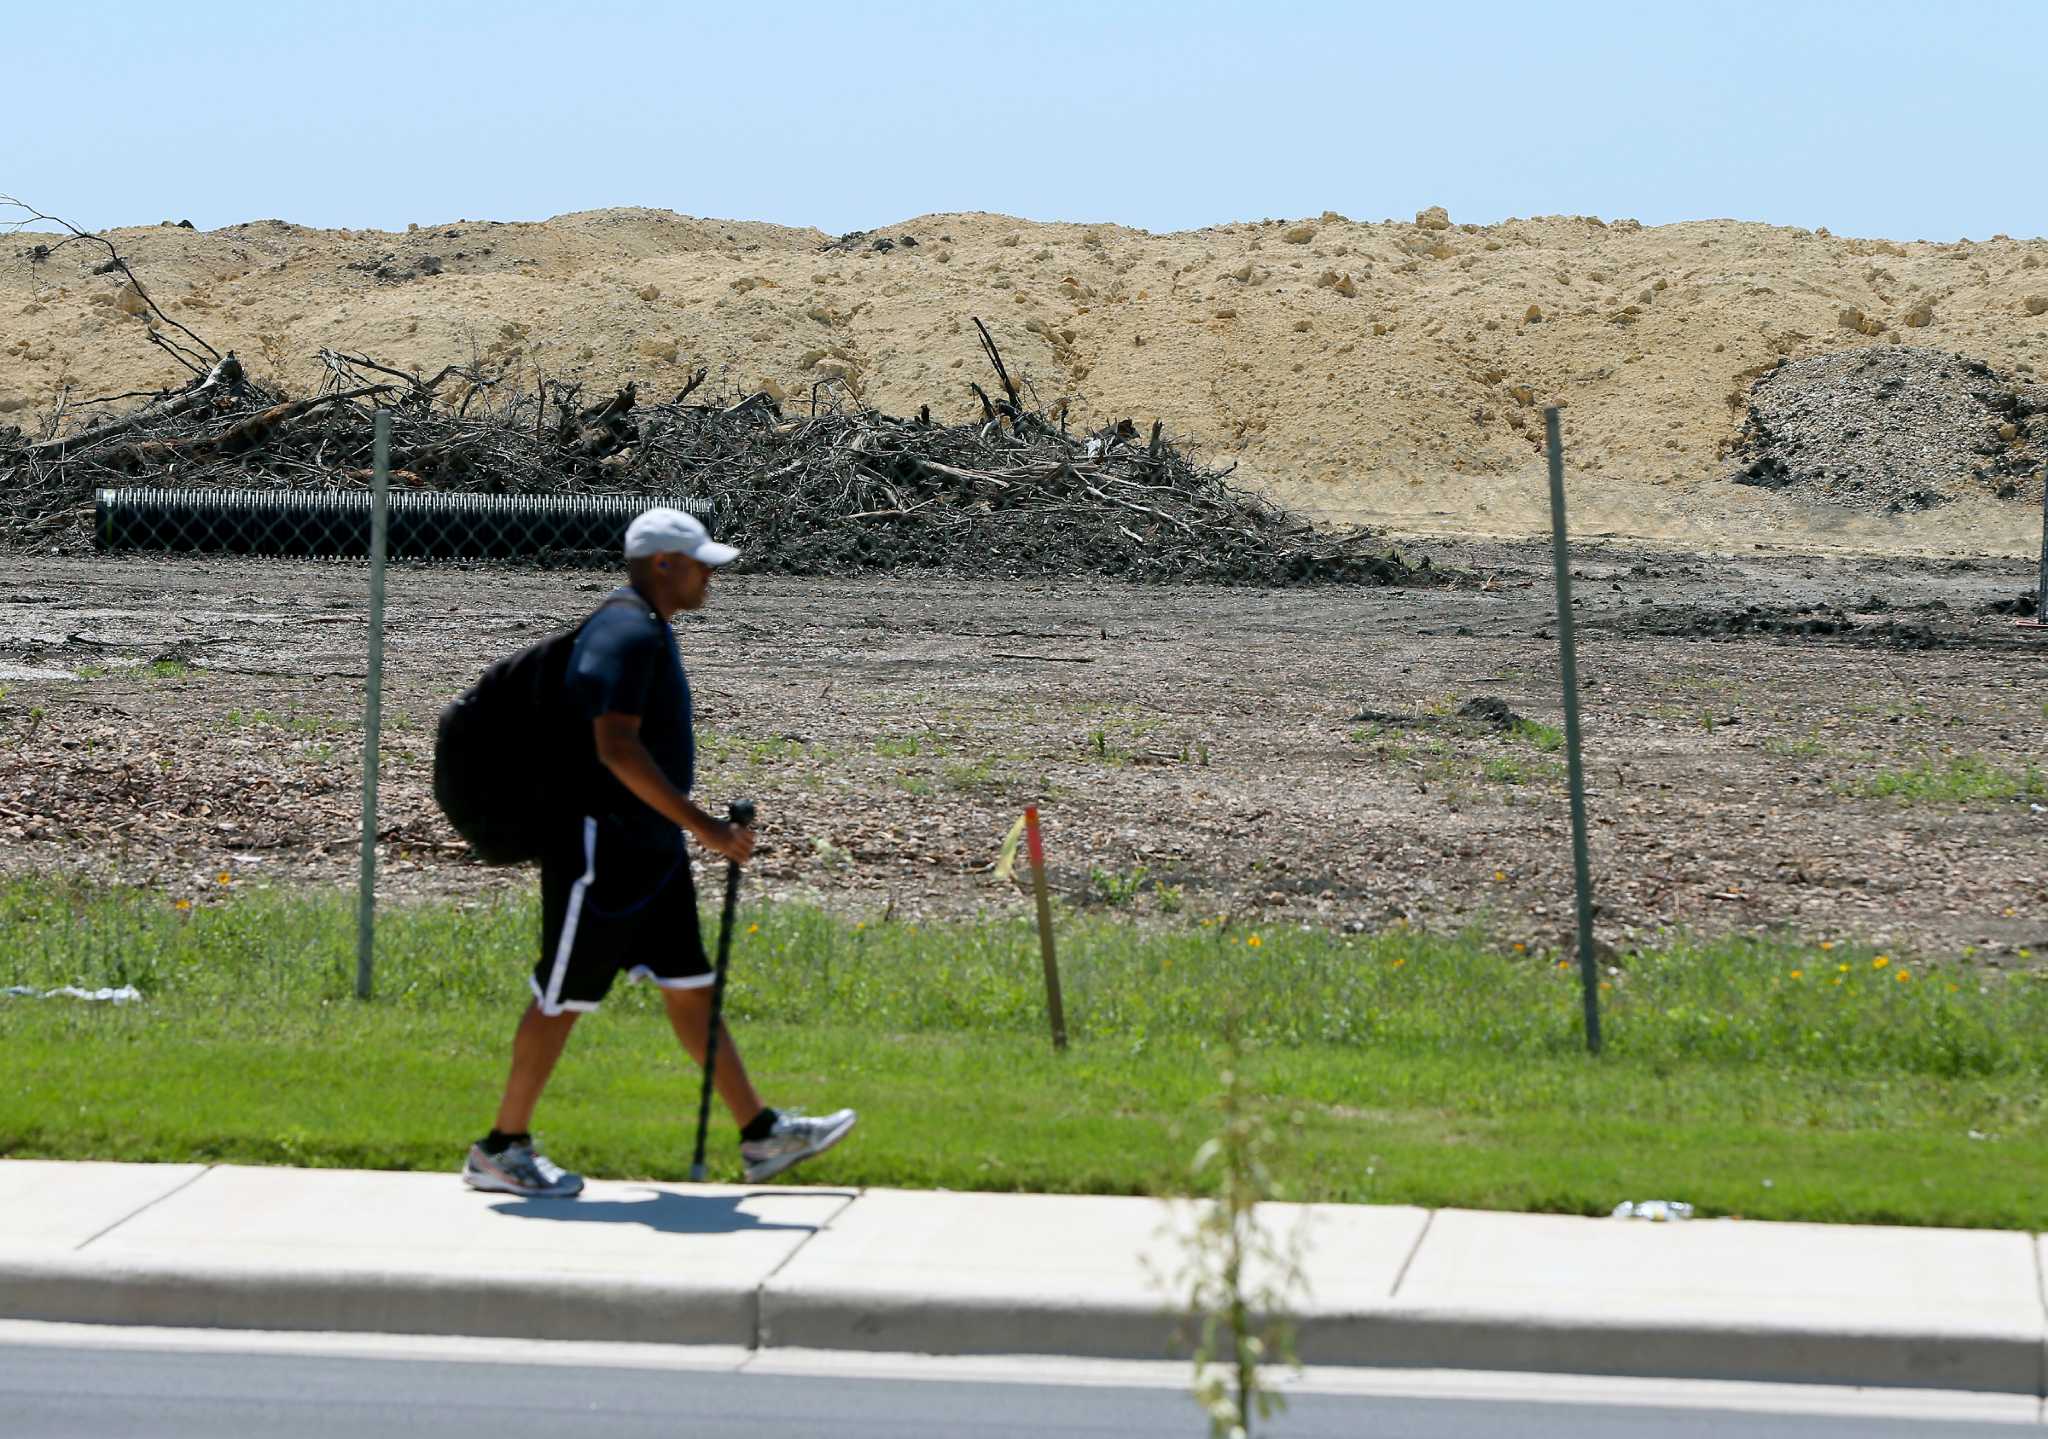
[(489, 1306), (896, 1271), (851, 1317), (1397, 1337), (669, 1311), (1763, 1351)]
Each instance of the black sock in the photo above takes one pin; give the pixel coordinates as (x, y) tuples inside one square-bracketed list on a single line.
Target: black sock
[(761, 1125), (497, 1142)]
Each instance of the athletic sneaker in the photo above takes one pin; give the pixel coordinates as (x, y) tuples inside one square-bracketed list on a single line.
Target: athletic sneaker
[(795, 1138), (520, 1169)]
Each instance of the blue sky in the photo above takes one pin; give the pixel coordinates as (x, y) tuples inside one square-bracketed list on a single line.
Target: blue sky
[(1910, 121)]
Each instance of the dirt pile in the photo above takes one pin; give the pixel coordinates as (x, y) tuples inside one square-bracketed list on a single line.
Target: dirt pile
[(1892, 428), (1870, 625), (1375, 372)]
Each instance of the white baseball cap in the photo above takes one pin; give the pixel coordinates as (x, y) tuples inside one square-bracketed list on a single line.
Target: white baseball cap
[(668, 531)]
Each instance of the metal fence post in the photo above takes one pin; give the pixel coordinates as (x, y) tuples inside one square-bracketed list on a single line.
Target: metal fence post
[(2041, 582), (373, 705), (1582, 873)]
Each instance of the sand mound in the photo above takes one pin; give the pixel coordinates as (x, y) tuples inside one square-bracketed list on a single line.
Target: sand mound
[(1373, 372), (1891, 428)]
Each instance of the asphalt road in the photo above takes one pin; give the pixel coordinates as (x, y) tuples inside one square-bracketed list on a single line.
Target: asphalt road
[(52, 1392)]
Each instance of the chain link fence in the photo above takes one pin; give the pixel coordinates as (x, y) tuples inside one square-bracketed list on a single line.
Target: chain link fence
[(377, 526), (382, 524)]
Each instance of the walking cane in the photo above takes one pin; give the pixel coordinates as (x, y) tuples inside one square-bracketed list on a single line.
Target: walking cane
[(743, 816)]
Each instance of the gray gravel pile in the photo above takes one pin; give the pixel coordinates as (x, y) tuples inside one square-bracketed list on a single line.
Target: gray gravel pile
[(1891, 428)]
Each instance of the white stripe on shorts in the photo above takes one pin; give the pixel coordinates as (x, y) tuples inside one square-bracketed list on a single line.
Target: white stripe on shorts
[(551, 1001), (688, 981)]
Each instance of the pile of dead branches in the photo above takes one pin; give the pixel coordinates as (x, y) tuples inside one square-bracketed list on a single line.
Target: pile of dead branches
[(828, 485)]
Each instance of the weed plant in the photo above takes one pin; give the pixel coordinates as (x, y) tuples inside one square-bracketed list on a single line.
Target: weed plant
[(1962, 778), (1241, 1278)]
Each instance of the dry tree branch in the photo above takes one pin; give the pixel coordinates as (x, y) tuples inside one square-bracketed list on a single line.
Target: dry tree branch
[(995, 358), (114, 258), (695, 380), (226, 374)]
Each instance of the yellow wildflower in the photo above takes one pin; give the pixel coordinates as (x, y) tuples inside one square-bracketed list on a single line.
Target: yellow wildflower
[(1500, 876), (1253, 941), (1841, 969), (753, 929), (1401, 961), (1520, 948), (223, 878), (1827, 944), (1905, 975), (1881, 961), (1799, 974), (182, 904)]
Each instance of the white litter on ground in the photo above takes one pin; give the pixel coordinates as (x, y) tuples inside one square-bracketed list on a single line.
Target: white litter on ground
[(125, 994), (1657, 1211)]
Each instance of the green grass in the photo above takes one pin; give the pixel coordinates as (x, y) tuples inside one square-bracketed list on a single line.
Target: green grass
[(1104, 750), (1803, 748), (717, 747), (300, 724), (1547, 738), (1964, 777), (1383, 740), (981, 774), (1511, 769), (1766, 1080)]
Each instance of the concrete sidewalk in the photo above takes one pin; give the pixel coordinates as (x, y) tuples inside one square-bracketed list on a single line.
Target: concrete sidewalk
[(946, 1273)]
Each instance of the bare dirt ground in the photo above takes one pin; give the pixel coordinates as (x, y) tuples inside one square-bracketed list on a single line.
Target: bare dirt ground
[(1195, 749)]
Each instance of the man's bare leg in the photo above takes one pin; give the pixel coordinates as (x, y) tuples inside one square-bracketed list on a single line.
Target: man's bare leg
[(689, 1014), (536, 1045)]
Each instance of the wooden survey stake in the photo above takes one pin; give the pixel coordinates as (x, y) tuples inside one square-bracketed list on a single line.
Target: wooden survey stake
[(1055, 1011)]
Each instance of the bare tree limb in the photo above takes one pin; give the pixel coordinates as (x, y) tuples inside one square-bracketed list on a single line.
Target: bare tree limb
[(114, 258), (227, 375)]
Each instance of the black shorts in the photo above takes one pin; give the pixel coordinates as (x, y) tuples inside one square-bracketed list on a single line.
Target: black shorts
[(615, 901)]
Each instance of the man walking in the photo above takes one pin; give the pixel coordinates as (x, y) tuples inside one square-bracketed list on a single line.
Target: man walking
[(616, 889)]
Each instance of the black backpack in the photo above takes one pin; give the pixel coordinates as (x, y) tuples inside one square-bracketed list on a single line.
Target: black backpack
[(508, 749)]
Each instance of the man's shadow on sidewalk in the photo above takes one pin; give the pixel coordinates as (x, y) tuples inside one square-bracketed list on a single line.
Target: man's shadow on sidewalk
[(666, 1212)]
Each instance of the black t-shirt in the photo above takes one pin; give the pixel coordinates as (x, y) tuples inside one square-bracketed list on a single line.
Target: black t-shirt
[(625, 662)]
